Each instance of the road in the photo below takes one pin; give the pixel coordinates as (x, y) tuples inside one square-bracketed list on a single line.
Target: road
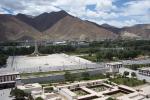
[(4, 94), (139, 76)]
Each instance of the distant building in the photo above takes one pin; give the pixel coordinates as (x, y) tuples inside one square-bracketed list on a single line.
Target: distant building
[(60, 43), (114, 66), (8, 78), (144, 71), (83, 43)]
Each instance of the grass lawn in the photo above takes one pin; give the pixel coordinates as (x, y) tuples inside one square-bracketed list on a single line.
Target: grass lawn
[(98, 76), (46, 73), (98, 88), (91, 58), (127, 81), (48, 89), (80, 92), (40, 73)]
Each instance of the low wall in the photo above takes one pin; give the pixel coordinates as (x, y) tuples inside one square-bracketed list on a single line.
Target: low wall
[(60, 77)]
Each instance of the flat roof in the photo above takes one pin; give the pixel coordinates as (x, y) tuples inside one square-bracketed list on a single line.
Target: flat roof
[(29, 86), (146, 90), (132, 96), (114, 63), (7, 71), (69, 92), (82, 82), (145, 68)]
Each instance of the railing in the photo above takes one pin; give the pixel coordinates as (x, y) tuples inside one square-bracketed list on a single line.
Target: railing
[(58, 68)]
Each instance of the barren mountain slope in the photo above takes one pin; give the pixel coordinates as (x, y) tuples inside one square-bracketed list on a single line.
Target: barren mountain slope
[(72, 28), (14, 29)]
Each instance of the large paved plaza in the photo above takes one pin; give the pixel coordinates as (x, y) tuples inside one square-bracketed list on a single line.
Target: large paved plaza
[(53, 62)]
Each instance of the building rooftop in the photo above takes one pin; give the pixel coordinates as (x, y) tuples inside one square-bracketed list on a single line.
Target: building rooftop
[(146, 90), (114, 63), (145, 68), (29, 86), (137, 95), (7, 71), (69, 92), (82, 82)]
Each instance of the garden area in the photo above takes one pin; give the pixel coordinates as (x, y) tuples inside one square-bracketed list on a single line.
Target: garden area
[(83, 76), (80, 92), (48, 89), (117, 94), (99, 88), (127, 81)]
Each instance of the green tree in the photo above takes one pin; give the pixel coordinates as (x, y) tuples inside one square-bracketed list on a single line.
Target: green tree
[(85, 75), (144, 81), (126, 73), (19, 94), (133, 74), (110, 98), (39, 98), (3, 59), (69, 76), (108, 75)]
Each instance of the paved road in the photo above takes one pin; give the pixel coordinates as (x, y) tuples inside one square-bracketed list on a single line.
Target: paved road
[(139, 76), (4, 94), (130, 62)]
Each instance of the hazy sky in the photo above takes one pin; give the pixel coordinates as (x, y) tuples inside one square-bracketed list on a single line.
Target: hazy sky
[(114, 12)]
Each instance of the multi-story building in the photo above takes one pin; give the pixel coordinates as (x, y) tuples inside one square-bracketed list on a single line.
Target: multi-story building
[(114, 66), (144, 71), (8, 78)]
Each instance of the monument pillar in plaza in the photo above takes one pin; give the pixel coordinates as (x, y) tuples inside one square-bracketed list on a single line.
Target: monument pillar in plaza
[(36, 52)]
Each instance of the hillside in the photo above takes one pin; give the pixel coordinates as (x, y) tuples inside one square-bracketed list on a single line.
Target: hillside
[(63, 26), (72, 28), (42, 21), (141, 31), (14, 29)]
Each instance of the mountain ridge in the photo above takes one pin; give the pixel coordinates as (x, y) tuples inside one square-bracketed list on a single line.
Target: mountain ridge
[(63, 26)]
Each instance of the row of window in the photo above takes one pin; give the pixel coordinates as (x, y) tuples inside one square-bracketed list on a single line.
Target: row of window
[(8, 78), (144, 72), (115, 66)]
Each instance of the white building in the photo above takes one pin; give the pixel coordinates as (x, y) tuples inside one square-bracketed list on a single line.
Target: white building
[(30, 87), (143, 94), (88, 90), (93, 90), (8, 78), (68, 94), (144, 71), (114, 66), (36, 91), (60, 43)]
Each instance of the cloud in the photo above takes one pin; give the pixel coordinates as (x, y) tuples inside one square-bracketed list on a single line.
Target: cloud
[(32, 7), (101, 11), (138, 7), (2, 11)]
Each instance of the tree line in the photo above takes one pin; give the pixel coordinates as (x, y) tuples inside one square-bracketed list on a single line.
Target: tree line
[(116, 54)]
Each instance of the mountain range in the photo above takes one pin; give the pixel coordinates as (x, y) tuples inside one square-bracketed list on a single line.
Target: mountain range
[(63, 26)]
